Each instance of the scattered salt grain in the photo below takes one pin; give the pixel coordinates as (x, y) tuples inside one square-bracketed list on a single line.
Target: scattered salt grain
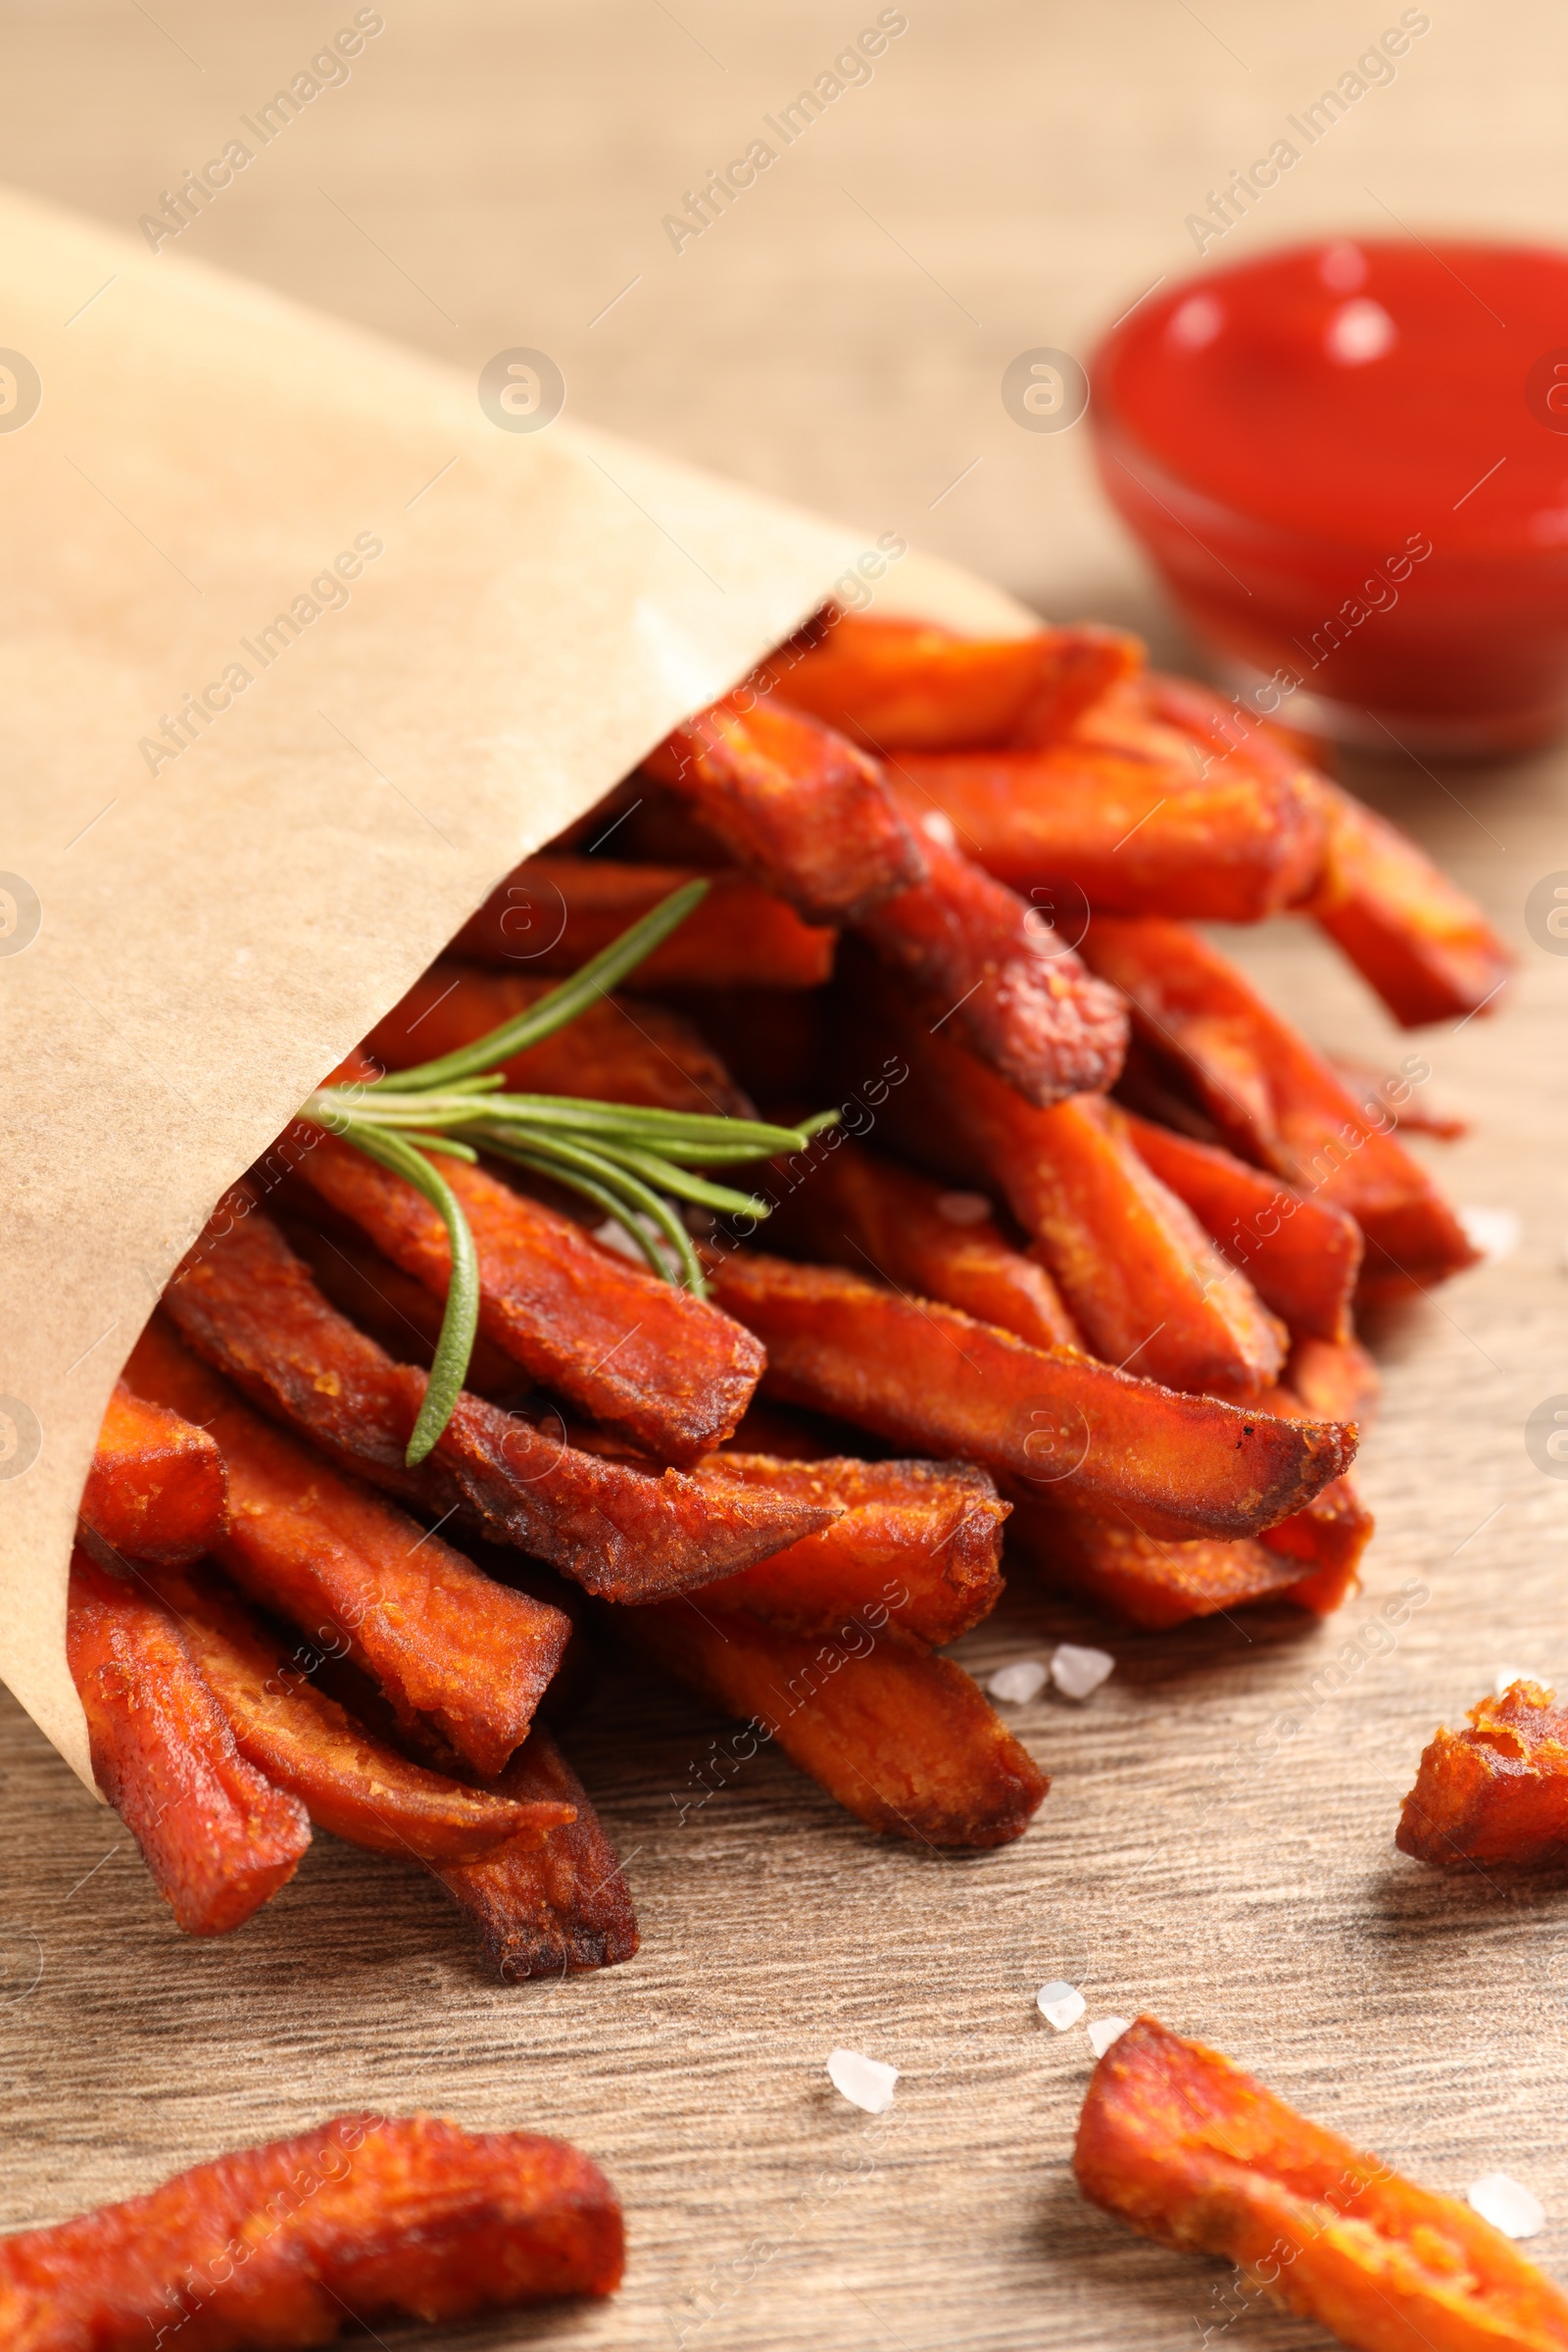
[(1495, 1232), (1104, 2031), (1019, 1684), (1078, 1673), (1507, 2205), (964, 1209), (864, 2081), (937, 825), (1060, 2004)]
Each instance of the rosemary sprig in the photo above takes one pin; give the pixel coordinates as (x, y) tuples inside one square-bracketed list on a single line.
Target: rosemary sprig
[(631, 1161)]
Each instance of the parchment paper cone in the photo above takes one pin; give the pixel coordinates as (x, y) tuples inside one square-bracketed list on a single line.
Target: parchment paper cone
[(185, 954)]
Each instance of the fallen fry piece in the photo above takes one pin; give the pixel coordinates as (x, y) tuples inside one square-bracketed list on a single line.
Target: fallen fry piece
[(247, 1305), (1421, 941), (796, 805), (1276, 1102), (362, 1579), (217, 1838), (936, 1381), (1134, 827), (1015, 992), (903, 1740), (551, 913), (1142, 1280), (1299, 1254), (549, 1909), (156, 1489), (848, 1206), (1186, 2148), (909, 685), (1334, 1383), (920, 1540), (369, 2219), (1138, 1577), (349, 1782), (616, 1052), (645, 1356), (1497, 1792)]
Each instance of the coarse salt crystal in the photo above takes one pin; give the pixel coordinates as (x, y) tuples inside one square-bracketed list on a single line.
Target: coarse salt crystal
[(1507, 2205), (1104, 2031), (937, 825), (864, 2081), (1060, 2004), (964, 1209), (1078, 1673), (1018, 1684), (1495, 1232)]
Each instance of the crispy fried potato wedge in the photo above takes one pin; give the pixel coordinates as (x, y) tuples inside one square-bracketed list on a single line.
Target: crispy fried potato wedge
[(249, 1306), (931, 1379), (1334, 1383), (217, 1838), (1183, 2146), (797, 806), (903, 1740), (552, 1909), (552, 913), (369, 2219), (1276, 1102), (1497, 1792), (1142, 1578), (362, 1579), (156, 1489)]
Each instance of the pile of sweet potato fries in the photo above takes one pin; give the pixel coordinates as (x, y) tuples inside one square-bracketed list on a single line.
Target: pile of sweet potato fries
[(1081, 1254)]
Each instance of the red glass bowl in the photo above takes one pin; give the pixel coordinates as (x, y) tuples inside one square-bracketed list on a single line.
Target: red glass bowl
[(1349, 461)]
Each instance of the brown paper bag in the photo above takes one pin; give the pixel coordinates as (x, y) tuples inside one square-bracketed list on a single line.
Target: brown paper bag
[(300, 652)]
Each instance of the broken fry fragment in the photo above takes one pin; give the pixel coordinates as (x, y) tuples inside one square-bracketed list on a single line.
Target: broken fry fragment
[(1497, 1792), (552, 913), (217, 1838), (367, 2219), (903, 1740), (1183, 2146), (156, 1489)]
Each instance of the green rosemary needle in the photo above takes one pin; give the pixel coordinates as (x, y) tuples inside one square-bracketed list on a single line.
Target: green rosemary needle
[(631, 1161)]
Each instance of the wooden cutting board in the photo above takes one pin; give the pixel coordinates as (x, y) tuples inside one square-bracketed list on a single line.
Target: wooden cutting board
[(1218, 1845)]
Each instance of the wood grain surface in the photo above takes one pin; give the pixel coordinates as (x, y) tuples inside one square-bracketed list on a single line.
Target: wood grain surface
[(1216, 1846)]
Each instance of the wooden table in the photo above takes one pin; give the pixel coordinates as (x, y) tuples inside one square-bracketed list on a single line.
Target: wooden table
[(495, 175)]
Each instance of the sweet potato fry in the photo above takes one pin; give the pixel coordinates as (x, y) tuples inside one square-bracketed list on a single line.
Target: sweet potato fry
[(921, 1540), (1134, 827), (851, 1207), (398, 1312), (551, 913), (1138, 1577), (797, 806), (1299, 1254), (1420, 941), (247, 1305), (1276, 1102), (1186, 2148), (359, 1577), (367, 2219), (1389, 1095), (156, 1489), (936, 1381), (217, 1838), (553, 1909), (1014, 990), (911, 686), (1142, 1280), (1328, 1536), (349, 1782), (665, 1369), (1494, 1793), (903, 1740), (1334, 1383), (616, 1052)]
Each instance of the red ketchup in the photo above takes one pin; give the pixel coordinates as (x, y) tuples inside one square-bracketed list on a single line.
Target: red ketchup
[(1350, 462)]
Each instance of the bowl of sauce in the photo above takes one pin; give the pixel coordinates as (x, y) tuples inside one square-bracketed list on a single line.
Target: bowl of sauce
[(1348, 461)]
